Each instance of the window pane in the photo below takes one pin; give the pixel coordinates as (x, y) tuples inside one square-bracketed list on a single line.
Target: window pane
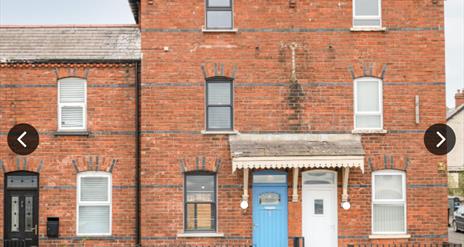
[(219, 93), (269, 198), (200, 188), (72, 116), (219, 118), (368, 96), (200, 217), (319, 178), (319, 206), (367, 22), (94, 219), (269, 179), (367, 7), (388, 187), (219, 19), (368, 122), (72, 90), (389, 218), (94, 189), (219, 3)]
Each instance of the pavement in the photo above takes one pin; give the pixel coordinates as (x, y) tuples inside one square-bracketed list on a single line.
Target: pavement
[(455, 237)]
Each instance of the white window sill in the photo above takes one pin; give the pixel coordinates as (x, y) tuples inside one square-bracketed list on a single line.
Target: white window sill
[(72, 133), (369, 131), (220, 132), (200, 235), (389, 236), (368, 29), (233, 30)]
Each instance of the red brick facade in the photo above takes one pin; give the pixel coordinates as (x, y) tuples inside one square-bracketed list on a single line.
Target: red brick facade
[(409, 56), (177, 57)]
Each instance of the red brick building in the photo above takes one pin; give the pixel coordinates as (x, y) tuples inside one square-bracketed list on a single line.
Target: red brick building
[(252, 123)]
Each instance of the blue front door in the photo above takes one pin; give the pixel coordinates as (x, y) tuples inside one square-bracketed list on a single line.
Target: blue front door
[(270, 212)]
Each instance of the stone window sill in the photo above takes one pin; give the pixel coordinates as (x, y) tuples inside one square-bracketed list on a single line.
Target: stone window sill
[(72, 133), (368, 29), (233, 30), (200, 235), (220, 132), (389, 236), (369, 131)]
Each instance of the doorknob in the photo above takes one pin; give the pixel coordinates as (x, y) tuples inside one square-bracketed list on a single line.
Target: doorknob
[(35, 229)]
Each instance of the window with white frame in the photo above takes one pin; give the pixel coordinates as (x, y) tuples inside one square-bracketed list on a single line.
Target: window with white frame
[(367, 13), (94, 204), (72, 104), (219, 14), (388, 202), (368, 103)]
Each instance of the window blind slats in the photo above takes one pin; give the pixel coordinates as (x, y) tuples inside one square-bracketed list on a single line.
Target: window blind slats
[(219, 93), (72, 116), (219, 118), (367, 7), (72, 90), (94, 189), (94, 219)]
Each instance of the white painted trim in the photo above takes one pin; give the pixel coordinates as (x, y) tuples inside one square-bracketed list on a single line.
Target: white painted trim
[(367, 29), (83, 105), (298, 162), (200, 235), (392, 236), (368, 17), (107, 203), (402, 201), (370, 113), (212, 132)]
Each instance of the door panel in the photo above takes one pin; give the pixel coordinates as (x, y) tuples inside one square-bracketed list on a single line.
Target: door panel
[(21, 211), (270, 216), (319, 216)]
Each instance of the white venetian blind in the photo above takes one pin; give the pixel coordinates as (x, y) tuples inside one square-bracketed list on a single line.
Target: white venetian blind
[(94, 189), (72, 103), (94, 219), (94, 205)]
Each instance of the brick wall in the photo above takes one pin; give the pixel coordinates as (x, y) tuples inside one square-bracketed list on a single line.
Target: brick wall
[(28, 94), (409, 57)]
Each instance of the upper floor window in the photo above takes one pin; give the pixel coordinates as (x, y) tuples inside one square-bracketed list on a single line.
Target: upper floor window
[(94, 203), (367, 13), (368, 103), (219, 104), (72, 104), (388, 202), (200, 202), (219, 14)]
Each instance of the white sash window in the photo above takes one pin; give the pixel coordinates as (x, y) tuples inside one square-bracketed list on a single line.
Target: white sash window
[(94, 204), (72, 104)]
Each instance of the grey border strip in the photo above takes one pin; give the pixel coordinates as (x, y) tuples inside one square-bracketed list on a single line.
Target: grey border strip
[(90, 238), (287, 30), (284, 84), (54, 85), (420, 186)]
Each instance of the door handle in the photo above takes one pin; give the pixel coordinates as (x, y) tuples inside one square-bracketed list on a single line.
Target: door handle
[(35, 229)]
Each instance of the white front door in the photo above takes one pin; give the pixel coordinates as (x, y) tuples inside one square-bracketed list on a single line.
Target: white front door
[(319, 211)]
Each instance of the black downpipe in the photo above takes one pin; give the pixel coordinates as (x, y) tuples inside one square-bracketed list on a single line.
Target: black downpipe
[(137, 155)]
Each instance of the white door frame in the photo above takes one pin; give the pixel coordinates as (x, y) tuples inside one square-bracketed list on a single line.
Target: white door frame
[(318, 187)]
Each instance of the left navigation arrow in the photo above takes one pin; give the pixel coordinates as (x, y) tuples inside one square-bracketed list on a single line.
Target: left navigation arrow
[(23, 139)]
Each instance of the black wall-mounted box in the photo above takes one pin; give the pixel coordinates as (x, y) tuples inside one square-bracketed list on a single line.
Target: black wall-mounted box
[(53, 227)]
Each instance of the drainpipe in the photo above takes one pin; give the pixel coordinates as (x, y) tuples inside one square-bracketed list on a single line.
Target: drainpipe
[(137, 155)]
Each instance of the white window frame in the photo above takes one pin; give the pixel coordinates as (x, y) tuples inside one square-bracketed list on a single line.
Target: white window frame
[(94, 203), (207, 8), (83, 105), (367, 17), (368, 113), (401, 201)]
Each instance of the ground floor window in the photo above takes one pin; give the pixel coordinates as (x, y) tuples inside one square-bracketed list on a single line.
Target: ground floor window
[(388, 202), (200, 201), (94, 203)]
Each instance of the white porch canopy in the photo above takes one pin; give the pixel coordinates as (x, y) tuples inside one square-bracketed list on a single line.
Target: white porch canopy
[(298, 162), (296, 151)]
